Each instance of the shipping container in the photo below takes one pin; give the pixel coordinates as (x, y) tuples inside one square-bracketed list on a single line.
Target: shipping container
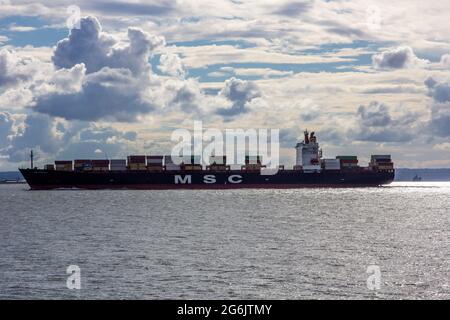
[(49, 167), (100, 169), (332, 164), (168, 160), (347, 157), (100, 163), (192, 167), (253, 159), (63, 165), (118, 161), (172, 167), (66, 162), (220, 160), (118, 168), (348, 161), (155, 160), (136, 159), (379, 157), (81, 161)]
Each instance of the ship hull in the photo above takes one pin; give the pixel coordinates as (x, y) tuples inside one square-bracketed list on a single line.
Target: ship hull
[(147, 180)]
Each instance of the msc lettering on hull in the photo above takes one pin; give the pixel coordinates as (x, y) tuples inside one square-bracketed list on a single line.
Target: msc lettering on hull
[(209, 178)]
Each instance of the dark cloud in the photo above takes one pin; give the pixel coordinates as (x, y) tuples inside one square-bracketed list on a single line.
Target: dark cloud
[(111, 94), (130, 8), (294, 9), (396, 58), (86, 45), (376, 124), (440, 107), (441, 92), (289, 137), (239, 92)]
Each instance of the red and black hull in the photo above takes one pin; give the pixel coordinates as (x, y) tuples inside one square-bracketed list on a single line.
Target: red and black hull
[(147, 180)]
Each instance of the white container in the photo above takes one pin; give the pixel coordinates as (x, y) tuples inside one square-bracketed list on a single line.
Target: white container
[(332, 164)]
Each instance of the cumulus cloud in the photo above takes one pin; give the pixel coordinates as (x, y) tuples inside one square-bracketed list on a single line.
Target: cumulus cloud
[(6, 124), (16, 69), (240, 93), (51, 138), (38, 132), (171, 65), (97, 49), (440, 107), (445, 60), (396, 58), (375, 123), (94, 141), (111, 94), (439, 91), (100, 77)]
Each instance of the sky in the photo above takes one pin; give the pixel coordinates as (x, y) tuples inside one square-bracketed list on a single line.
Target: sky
[(95, 79)]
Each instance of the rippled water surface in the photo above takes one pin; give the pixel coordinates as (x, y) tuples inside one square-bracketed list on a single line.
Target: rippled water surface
[(288, 244)]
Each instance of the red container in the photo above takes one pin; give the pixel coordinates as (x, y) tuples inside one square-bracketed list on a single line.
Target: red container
[(100, 163), (63, 162), (81, 161)]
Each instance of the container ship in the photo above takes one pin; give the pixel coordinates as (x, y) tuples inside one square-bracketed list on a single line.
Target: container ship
[(157, 172)]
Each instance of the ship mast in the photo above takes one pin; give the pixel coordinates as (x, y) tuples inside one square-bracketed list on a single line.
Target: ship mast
[(31, 159)]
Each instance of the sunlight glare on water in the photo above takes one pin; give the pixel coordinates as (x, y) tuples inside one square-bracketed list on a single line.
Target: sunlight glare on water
[(287, 244)]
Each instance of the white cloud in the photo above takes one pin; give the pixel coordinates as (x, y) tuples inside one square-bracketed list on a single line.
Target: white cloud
[(171, 64)]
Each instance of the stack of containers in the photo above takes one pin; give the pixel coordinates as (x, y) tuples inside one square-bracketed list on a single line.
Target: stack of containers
[(82, 165), (155, 163), (49, 167), (192, 163), (218, 163), (382, 162), (348, 162), (331, 164), (252, 163), (136, 163), (100, 165), (218, 160), (170, 166), (252, 160), (118, 164), (63, 165)]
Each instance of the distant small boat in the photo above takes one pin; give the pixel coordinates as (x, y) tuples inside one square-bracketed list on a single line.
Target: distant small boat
[(417, 178)]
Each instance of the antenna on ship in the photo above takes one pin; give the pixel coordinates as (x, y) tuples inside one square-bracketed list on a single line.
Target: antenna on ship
[(31, 159)]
